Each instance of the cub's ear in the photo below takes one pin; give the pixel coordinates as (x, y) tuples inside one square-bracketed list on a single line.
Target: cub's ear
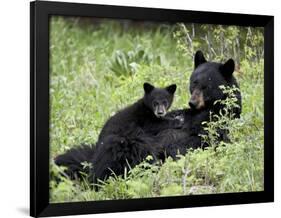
[(199, 59), (227, 68), (147, 87), (172, 88)]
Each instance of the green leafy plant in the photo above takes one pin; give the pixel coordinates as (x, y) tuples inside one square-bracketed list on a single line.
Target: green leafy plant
[(127, 63), (224, 120)]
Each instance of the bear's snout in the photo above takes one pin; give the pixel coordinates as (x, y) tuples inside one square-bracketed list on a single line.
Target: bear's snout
[(192, 104), (197, 100)]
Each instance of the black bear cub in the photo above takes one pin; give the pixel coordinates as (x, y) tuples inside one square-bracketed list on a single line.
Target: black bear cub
[(204, 87), (126, 138)]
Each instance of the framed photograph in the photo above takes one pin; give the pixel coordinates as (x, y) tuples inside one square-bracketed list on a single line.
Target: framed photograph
[(141, 109)]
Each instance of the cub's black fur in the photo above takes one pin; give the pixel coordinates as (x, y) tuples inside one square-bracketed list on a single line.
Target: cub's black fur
[(126, 138), (204, 89)]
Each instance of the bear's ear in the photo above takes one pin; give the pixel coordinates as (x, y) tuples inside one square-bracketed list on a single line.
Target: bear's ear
[(148, 87), (171, 89), (227, 68), (199, 59)]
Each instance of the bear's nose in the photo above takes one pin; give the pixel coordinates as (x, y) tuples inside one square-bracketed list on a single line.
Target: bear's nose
[(192, 104), (160, 113)]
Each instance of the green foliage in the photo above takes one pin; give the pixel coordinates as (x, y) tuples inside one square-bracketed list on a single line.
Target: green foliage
[(98, 69), (224, 120), (127, 64)]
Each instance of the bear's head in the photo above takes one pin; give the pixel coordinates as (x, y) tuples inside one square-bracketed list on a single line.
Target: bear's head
[(206, 79), (158, 100)]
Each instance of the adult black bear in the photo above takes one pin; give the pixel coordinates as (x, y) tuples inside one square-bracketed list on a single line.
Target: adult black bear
[(205, 90), (126, 138)]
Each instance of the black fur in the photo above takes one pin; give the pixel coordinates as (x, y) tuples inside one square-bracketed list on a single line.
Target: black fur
[(74, 159), (126, 138), (204, 84)]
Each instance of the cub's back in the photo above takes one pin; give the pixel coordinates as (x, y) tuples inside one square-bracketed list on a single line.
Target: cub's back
[(124, 120)]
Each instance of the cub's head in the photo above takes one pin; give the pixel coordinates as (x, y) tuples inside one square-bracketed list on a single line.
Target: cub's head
[(158, 100), (206, 79)]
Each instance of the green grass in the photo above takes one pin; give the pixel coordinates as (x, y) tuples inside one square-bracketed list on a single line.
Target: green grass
[(88, 86)]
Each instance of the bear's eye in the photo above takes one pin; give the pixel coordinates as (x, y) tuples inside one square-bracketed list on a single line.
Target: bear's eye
[(165, 103), (155, 104), (204, 87)]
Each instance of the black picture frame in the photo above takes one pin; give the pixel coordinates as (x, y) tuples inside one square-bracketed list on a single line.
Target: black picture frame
[(40, 11)]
